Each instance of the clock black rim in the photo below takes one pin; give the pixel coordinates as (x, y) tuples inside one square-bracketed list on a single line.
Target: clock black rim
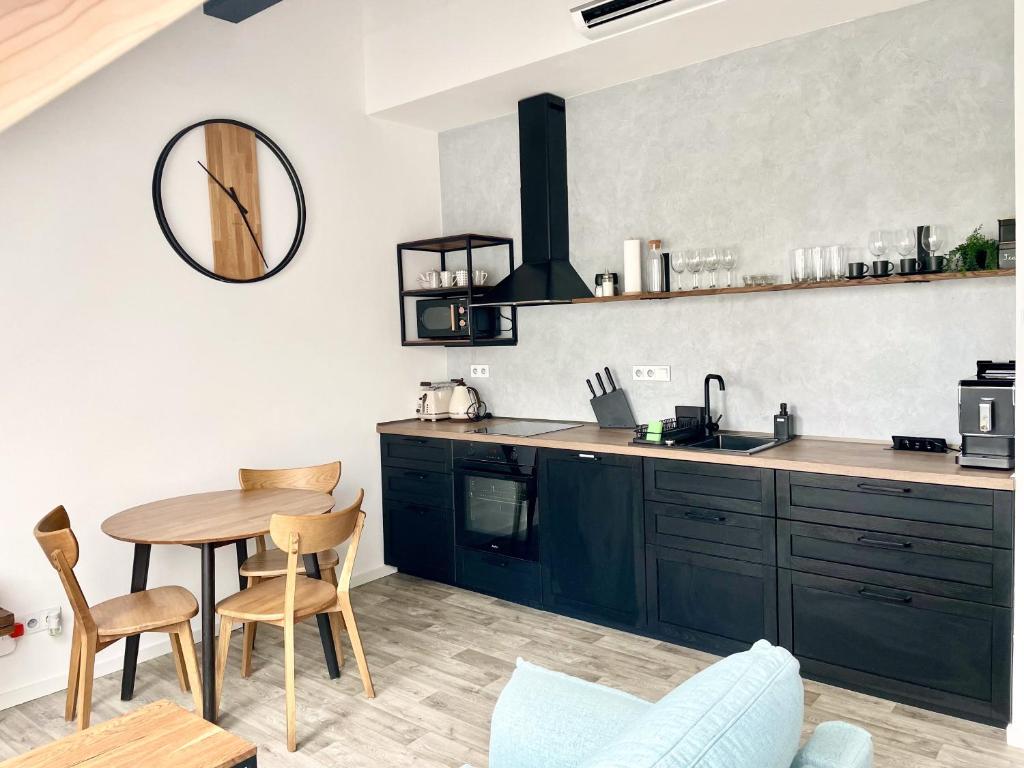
[(293, 177)]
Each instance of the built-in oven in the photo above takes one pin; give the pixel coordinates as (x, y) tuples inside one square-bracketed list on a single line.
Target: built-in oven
[(450, 319), (496, 498)]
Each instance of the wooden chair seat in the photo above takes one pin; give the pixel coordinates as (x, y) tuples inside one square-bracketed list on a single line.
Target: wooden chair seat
[(146, 611), (265, 601), (274, 562)]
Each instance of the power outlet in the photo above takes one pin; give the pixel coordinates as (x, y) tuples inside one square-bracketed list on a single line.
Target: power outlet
[(652, 373), (37, 622), (479, 371)]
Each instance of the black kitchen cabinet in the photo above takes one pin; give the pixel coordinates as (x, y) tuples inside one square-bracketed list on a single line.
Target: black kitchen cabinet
[(929, 651), (592, 536), (711, 577), (419, 540), (902, 590), (493, 574)]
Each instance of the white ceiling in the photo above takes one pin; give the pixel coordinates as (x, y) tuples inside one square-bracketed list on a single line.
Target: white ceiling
[(440, 64)]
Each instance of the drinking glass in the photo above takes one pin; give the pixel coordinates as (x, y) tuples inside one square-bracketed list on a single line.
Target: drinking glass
[(694, 264), (729, 264), (878, 243), (802, 269), (835, 259), (678, 262), (905, 240), (819, 266), (712, 258)]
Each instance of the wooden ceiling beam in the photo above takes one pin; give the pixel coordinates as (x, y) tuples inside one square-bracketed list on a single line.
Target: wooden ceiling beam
[(47, 46)]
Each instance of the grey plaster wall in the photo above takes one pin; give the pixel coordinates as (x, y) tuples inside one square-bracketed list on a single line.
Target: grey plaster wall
[(897, 120)]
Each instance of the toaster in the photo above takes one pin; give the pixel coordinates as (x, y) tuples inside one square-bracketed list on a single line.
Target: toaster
[(433, 401)]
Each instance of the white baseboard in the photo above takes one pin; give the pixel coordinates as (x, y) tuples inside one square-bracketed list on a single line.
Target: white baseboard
[(151, 647), (1015, 735)]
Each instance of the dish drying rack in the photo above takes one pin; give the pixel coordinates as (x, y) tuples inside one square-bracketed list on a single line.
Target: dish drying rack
[(680, 429)]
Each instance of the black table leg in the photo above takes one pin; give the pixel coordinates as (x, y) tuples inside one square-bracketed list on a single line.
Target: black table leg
[(209, 640), (242, 550), (323, 621), (140, 573)]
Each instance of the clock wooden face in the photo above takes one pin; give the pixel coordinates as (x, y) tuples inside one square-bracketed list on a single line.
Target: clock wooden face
[(228, 201)]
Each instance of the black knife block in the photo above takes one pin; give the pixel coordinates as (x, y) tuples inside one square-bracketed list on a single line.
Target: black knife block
[(612, 410)]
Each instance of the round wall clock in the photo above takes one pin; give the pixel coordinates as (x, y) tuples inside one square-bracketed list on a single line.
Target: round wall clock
[(229, 201)]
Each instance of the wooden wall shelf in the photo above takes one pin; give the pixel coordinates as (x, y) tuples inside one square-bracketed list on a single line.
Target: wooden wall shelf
[(894, 280)]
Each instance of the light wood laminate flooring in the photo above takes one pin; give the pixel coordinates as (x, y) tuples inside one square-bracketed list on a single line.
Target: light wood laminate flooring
[(439, 657)]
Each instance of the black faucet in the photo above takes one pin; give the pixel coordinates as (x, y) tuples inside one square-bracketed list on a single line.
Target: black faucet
[(711, 425)]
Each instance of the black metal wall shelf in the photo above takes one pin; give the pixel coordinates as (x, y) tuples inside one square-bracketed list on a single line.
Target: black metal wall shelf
[(442, 247)]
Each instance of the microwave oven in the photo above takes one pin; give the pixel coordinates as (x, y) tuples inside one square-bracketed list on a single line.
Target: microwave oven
[(450, 319)]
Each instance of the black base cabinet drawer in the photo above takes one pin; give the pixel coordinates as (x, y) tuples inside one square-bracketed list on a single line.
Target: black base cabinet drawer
[(432, 489), (506, 577), (419, 540), (712, 603), (711, 531), (929, 651), (710, 486), (426, 453)]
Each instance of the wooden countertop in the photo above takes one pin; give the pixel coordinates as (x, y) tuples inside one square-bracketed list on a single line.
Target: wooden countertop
[(804, 454)]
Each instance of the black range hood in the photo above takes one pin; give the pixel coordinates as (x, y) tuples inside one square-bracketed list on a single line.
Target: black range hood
[(545, 276)]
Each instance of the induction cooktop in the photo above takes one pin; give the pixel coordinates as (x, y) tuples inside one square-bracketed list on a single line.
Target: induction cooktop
[(526, 428)]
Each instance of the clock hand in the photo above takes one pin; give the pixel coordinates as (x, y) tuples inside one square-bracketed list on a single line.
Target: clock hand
[(230, 192)]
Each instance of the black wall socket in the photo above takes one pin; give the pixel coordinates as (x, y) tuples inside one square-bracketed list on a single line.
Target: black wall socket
[(924, 444)]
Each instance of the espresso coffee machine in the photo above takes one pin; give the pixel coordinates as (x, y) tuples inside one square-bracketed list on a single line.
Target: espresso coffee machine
[(986, 416)]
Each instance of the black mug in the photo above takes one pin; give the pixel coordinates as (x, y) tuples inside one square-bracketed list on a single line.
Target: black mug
[(933, 263), (909, 266), (882, 268), (855, 270)]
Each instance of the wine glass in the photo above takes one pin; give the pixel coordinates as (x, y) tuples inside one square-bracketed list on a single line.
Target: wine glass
[(932, 238), (729, 264), (678, 262), (711, 259), (694, 264), (878, 243)]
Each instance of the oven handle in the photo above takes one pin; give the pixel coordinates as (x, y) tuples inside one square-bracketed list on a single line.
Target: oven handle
[(483, 469), (451, 311)]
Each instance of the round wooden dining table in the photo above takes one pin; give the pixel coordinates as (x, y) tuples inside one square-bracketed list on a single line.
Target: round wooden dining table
[(209, 521)]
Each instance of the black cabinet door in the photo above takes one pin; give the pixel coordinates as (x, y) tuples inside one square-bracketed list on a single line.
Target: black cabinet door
[(419, 540), (931, 651), (592, 537), (713, 603)]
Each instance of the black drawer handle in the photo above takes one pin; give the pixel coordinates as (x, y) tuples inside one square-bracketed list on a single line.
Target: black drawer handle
[(417, 475), (417, 440), (495, 561), (867, 541), (704, 518), (883, 488), (871, 595)]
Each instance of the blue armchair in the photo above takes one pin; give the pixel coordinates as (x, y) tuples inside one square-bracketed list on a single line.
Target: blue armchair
[(746, 711)]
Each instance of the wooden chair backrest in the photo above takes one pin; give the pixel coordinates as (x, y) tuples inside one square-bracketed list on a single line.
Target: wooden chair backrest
[(313, 533), (323, 477), (309, 534), (60, 546)]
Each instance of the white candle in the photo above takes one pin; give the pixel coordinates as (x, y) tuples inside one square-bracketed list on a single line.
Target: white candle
[(631, 267)]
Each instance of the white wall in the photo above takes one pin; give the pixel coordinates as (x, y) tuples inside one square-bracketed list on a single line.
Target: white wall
[(1015, 732), (127, 376)]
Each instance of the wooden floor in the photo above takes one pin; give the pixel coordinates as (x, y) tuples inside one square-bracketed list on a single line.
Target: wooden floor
[(440, 657)]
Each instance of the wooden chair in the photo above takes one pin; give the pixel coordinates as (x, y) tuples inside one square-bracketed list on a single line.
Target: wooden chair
[(269, 563), (284, 600), (165, 609)]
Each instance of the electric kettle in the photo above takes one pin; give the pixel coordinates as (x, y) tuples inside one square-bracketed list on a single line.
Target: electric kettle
[(465, 404)]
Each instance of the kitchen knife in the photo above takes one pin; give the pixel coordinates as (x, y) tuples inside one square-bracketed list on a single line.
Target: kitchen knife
[(592, 390), (600, 383), (611, 382)]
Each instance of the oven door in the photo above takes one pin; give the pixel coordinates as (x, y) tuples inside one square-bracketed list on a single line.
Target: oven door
[(496, 512)]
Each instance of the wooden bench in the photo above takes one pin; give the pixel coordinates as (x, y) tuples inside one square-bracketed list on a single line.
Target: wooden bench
[(159, 735)]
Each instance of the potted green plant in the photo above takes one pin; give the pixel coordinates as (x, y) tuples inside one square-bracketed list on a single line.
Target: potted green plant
[(977, 252)]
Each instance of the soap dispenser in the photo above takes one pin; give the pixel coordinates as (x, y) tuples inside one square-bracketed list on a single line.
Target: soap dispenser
[(783, 423)]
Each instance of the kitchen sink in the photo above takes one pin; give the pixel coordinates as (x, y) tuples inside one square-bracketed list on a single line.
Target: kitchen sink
[(747, 444)]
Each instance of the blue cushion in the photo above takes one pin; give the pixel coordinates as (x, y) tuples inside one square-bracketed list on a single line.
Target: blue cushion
[(549, 719), (745, 711)]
